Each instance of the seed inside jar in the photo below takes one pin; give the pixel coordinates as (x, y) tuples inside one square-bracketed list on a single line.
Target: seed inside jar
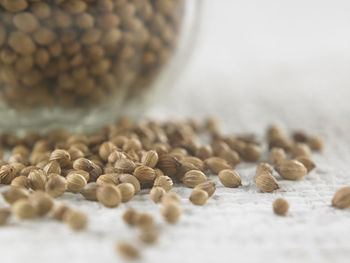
[(83, 53)]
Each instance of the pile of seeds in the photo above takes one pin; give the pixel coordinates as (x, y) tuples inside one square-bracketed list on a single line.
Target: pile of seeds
[(117, 162), (81, 52)]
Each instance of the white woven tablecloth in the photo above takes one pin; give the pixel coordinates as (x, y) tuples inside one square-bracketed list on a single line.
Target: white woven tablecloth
[(256, 62)]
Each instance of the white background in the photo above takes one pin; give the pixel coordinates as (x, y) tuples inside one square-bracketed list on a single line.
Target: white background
[(255, 62)]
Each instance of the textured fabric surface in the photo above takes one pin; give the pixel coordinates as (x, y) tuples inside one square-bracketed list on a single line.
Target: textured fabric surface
[(256, 62)]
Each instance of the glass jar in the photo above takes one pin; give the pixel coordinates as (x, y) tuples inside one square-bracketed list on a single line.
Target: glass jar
[(79, 64)]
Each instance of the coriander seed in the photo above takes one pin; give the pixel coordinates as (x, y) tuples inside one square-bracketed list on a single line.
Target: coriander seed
[(280, 207), (130, 217), (76, 220), (171, 212), (230, 178), (128, 251), (341, 198), (199, 197), (193, 178), (56, 185), (42, 202), (291, 169), (208, 186), (266, 182), (157, 193), (90, 191), (75, 182), (127, 191), (109, 195), (164, 182), (24, 209)]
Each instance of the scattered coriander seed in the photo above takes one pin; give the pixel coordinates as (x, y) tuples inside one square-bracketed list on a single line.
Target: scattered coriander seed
[(21, 181), (341, 198), (301, 149), (193, 178), (216, 164), (280, 206), (128, 251), (230, 178), (128, 178), (148, 235), (150, 158), (171, 212), (105, 150), (316, 143), (144, 220), (7, 174), (52, 167), (266, 182), (164, 182), (291, 169), (276, 155), (204, 152), (24, 209), (208, 186), (76, 220), (300, 136), (171, 197), (199, 197), (90, 191), (307, 162), (251, 152), (14, 194), (144, 174), (157, 193), (42, 202), (109, 195), (130, 217), (37, 180), (124, 166), (61, 156), (264, 167), (75, 182), (4, 216), (56, 185), (59, 212), (111, 178), (168, 164), (127, 191)]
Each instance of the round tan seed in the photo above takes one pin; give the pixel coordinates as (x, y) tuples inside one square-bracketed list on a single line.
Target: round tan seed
[(26, 22), (208, 186), (37, 180), (21, 43), (59, 212), (76, 220), (291, 169), (171, 212), (150, 159), (276, 155), (316, 143), (42, 202), (109, 195), (280, 207), (14, 194), (56, 185), (144, 174), (24, 209), (128, 178), (127, 191), (128, 251), (90, 191), (76, 182), (266, 182), (199, 197), (21, 181), (164, 182), (341, 198), (216, 164), (193, 178), (157, 194), (130, 217), (230, 178), (148, 235)]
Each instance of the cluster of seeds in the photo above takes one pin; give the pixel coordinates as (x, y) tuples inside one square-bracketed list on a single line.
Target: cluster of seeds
[(81, 52), (121, 160)]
